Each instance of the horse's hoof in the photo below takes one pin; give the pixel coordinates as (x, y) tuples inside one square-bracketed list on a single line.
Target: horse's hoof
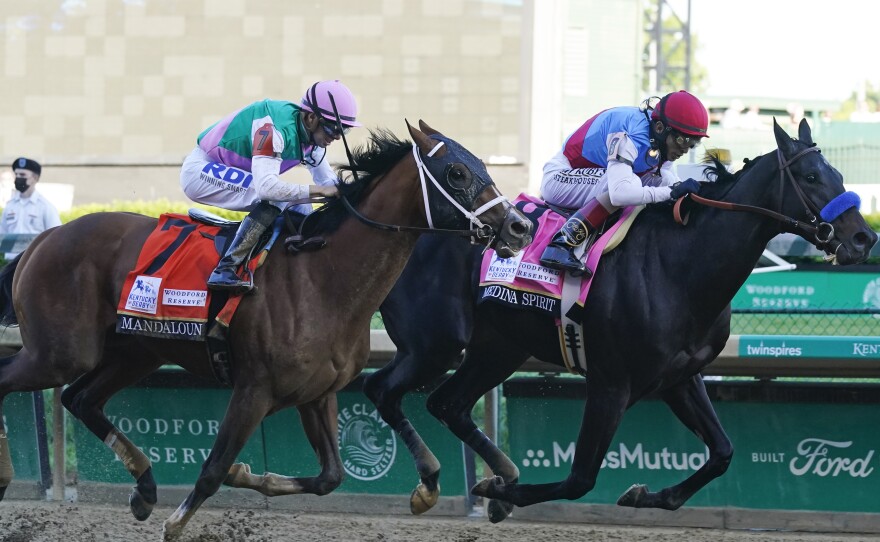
[(422, 499), (498, 511), (633, 496), (484, 486), (2, 492), (140, 508)]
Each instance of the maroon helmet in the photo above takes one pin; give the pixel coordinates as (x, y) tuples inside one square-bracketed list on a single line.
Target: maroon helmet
[(683, 112)]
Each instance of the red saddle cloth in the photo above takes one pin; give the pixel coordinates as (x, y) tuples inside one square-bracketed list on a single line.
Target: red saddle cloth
[(166, 294)]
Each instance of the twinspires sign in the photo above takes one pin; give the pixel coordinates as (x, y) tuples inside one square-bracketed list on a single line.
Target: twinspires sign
[(789, 456), (804, 346)]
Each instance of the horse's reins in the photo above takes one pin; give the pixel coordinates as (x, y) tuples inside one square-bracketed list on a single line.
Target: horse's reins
[(483, 231), (823, 232)]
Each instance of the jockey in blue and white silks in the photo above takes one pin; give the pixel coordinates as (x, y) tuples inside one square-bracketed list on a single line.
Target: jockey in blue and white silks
[(620, 157)]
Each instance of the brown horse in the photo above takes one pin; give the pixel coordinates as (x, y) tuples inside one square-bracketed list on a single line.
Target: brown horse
[(296, 341)]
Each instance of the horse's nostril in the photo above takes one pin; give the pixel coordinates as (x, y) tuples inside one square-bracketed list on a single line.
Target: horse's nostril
[(863, 239), (519, 228)]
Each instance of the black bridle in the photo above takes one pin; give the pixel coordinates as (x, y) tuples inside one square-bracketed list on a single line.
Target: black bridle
[(821, 232)]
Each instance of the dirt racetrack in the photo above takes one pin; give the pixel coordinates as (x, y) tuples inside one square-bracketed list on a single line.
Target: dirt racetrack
[(37, 521)]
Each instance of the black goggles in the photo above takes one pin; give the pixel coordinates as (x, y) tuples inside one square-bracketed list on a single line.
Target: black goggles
[(332, 129)]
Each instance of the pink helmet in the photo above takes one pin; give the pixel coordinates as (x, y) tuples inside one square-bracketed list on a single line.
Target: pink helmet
[(682, 111), (317, 100)]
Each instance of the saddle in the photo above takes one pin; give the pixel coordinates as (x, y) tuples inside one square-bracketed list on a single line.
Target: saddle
[(295, 222), (523, 283)]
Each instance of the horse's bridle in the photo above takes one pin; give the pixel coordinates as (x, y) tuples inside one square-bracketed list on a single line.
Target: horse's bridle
[(821, 232), (482, 231)]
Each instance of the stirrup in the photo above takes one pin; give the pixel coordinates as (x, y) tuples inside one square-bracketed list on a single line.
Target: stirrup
[(562, 259), (235, 286)]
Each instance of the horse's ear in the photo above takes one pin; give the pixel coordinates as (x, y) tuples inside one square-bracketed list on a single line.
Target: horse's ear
[(423, 126), (804, 132), (425, 143), (783, 140)]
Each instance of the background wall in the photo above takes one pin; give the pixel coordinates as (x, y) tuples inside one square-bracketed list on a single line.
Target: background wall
[(128, 84)]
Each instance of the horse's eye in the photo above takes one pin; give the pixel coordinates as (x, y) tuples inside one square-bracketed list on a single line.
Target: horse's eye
[(811, 177), (458, 177)]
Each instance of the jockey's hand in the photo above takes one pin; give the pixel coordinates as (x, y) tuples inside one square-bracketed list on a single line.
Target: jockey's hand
[(329, 191), (689, 186)]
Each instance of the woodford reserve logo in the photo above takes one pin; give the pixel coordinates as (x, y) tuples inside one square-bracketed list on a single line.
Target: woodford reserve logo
[(366, 443)]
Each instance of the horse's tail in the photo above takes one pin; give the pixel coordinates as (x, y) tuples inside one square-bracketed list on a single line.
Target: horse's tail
[(7, 311)]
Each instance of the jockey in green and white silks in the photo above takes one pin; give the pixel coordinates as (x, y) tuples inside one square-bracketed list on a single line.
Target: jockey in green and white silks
[(238, 161)]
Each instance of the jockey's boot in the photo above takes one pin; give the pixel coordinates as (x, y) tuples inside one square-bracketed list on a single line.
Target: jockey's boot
[(582, 224), (225, 276)]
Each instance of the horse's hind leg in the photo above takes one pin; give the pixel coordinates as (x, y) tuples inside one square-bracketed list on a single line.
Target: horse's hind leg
[(247, 408), (319, 422), (23, 372), (692, 406), (602, 414), (85, 399)]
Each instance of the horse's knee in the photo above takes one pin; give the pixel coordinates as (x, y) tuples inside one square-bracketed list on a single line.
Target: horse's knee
[(373, 387), (721, 457)]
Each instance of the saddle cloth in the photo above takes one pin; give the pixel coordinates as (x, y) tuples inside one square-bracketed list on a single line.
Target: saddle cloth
[(522, 282), (166, 293)]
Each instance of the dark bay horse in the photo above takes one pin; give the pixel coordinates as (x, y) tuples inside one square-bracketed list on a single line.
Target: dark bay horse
[(658, 313), (295, 342)]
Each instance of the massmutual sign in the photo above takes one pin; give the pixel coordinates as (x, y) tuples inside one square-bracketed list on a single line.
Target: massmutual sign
[(787, 455)]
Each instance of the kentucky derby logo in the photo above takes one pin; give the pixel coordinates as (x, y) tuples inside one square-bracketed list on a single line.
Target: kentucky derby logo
[(366, 443), (144, 294)]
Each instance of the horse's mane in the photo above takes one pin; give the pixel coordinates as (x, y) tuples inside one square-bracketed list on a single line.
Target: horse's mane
[(374, 158), (724, 179)]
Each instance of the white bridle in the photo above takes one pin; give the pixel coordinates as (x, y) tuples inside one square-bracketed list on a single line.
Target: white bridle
[(473, 216)]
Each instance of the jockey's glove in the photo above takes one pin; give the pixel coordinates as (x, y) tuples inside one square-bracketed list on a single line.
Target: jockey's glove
[(689, 186)]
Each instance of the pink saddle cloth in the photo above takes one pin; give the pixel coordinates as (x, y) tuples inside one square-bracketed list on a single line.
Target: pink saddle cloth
[(522, 282)]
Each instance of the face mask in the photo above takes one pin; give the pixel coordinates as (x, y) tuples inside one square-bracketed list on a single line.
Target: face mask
[(21, 184)]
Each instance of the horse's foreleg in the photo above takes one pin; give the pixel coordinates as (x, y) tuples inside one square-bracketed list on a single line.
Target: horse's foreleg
[(85, 399), (386, 388), (453, 401), (247, 408), (320, 425), (691, 405)]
